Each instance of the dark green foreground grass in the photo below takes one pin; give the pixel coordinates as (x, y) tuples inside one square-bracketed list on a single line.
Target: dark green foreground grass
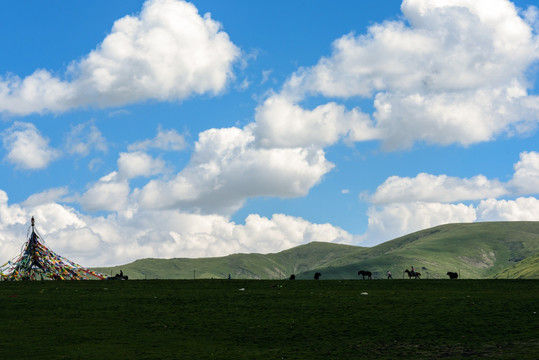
[(252, 319)]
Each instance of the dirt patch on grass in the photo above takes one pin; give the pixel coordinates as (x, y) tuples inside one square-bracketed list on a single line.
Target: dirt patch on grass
[(483, 261)]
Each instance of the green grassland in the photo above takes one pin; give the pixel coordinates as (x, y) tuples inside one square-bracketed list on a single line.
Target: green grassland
[(474, 250), (270, 319)]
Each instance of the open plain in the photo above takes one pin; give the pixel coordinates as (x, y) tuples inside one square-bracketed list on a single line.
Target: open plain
[(269, 319)]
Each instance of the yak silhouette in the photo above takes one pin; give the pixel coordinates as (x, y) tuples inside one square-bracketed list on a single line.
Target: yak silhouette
[(364, 273)]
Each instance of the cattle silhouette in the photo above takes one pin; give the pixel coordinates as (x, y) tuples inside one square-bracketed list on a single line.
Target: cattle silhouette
[(452, 275)]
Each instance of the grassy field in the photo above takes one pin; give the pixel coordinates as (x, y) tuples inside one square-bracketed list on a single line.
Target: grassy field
[(263, 319)]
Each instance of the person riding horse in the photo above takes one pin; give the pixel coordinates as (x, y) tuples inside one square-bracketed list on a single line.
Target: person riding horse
[(413, 274)]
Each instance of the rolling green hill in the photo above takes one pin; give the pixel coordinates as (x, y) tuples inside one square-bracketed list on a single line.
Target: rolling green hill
[(525, 269), (474, 250)]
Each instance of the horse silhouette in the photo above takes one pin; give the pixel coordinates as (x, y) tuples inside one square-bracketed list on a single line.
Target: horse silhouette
[(364, 273), (317, 275), (413, 274), (452, 275)]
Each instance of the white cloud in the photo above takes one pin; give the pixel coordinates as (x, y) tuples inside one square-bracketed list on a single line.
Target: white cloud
[(448, 46), (77, 242), (526, 177), (83, 138), (227, 167), (36, 93), (520, 209), (462, 117), (455, 74), (53, 217), (284, 232), (110, 193), (134, 164), (402, 205), (166, 140), (10, 214), (280, 123), (168, 52), (441, 188), (47, 196), (531, 15), (27, 148)]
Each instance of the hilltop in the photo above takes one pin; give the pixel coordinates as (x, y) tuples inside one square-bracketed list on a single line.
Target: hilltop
[(474, 250)]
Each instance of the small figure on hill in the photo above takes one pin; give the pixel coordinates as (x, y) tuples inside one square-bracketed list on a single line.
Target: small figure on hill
[(389, 275), (229, 277), (452, 275), (121, 273), (317, 276), (292, 277)]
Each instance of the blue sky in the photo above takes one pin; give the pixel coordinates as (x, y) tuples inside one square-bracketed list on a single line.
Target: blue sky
[(193, 129)]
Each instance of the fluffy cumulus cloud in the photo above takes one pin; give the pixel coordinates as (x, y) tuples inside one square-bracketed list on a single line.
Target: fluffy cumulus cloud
[(526, 177), (110, 193), (454, 72), (402, 205), (26, 147), (281, 123), (9, 214), (167, 52), (520, 209), (443, 188), (45, 197), (134, 164), (228, 166)]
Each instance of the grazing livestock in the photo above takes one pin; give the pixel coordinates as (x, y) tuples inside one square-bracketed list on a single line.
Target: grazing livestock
[(118, 277), (292, 277), (317, 276), (365, 273), (452, 275), (413, 274)]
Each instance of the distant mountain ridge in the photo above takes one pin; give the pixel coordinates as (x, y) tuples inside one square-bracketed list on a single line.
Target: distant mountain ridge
[(474, 250)]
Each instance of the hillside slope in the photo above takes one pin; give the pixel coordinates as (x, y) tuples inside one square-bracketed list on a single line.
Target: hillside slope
[(240, 266), (525, 269), (475, 250)]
